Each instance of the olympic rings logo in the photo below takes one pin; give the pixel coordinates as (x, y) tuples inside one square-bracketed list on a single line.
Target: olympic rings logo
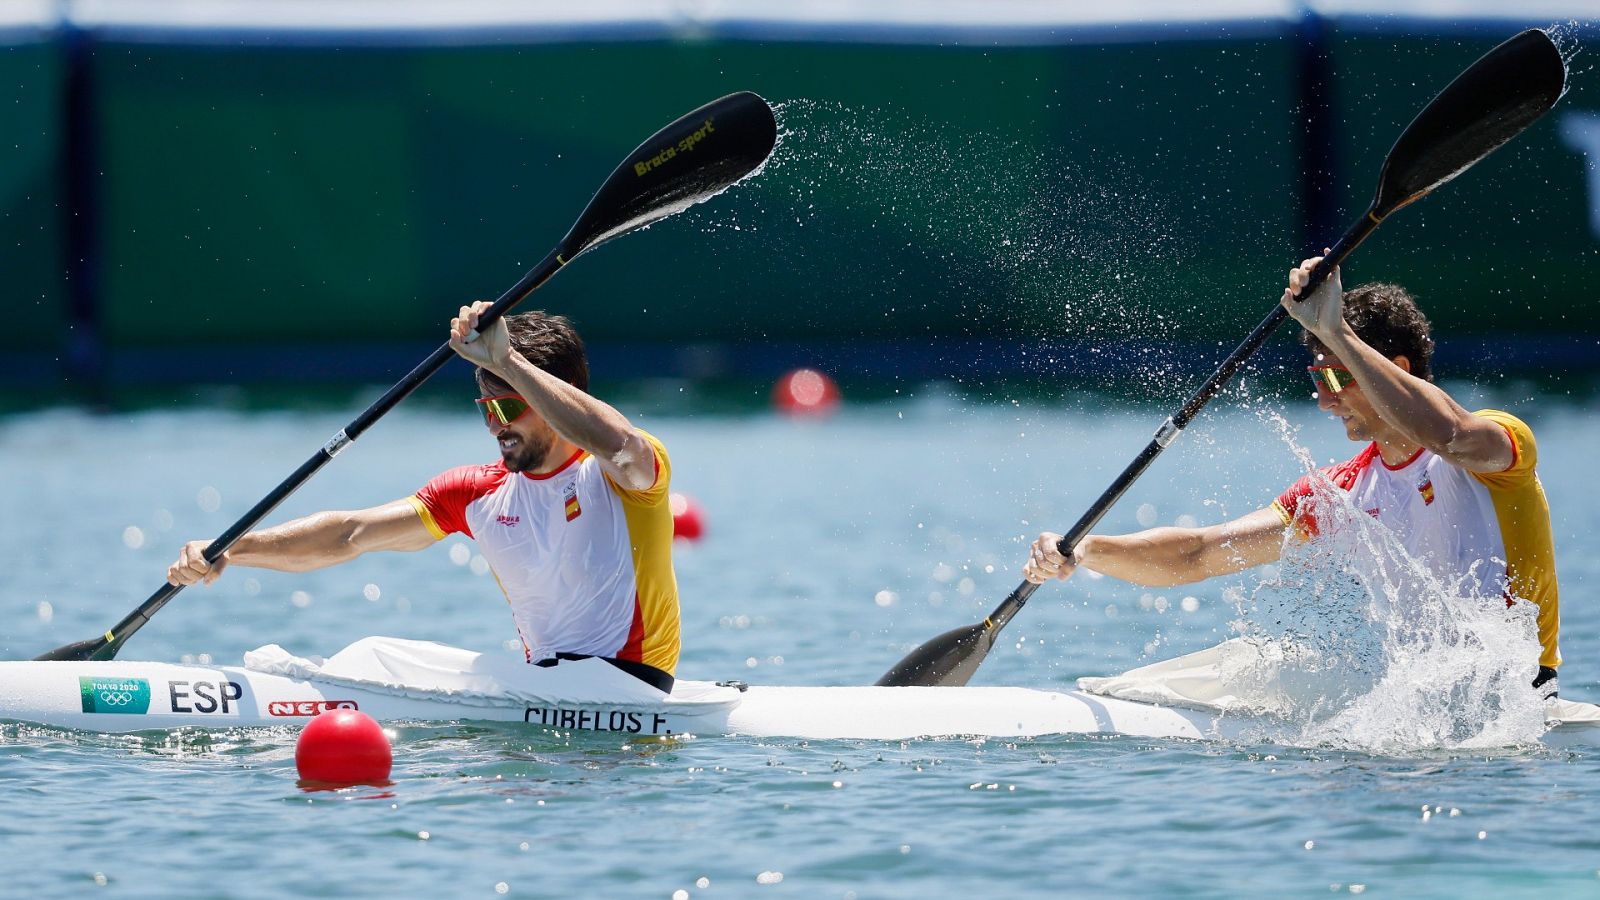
[(116, 698)]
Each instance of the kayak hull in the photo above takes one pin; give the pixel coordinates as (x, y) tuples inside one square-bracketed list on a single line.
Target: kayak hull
[(139, 696), (142, 696)]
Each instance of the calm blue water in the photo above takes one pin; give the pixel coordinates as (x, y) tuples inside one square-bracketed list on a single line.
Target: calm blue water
[(833, 547)]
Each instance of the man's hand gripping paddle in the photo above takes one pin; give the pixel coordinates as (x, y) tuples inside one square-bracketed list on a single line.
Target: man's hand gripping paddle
[(1487, 105), (691, 160)]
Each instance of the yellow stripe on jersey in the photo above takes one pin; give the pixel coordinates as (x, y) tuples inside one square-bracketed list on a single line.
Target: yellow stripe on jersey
[(650, 532), (427, 518), (1524, 514)]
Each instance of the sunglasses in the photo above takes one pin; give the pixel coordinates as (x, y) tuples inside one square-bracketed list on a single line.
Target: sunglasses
[(502, 410), (1334, 378)]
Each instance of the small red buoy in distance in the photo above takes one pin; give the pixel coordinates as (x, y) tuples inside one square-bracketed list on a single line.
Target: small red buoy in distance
[(805, 392), (688, 521), (343, 746)]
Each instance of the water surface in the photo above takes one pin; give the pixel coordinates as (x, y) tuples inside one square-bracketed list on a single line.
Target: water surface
[(833, 547)]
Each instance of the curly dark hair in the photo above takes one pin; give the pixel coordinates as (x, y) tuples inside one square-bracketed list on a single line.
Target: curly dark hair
[(549, 342), (1386, 317)]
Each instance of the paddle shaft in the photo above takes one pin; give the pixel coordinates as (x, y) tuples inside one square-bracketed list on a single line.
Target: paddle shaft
[(953, 657), (135, 620), (1174, 425)]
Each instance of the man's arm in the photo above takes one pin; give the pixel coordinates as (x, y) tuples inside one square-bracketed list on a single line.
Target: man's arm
[(1418, 409), (581, 418), (1164, 557), (587, 421), (314, 542), (1423, 412)]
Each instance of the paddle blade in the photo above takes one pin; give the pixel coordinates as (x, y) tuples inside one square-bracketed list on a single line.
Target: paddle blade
[(948, 660), (93, 649), (1490, 103), (691, 160)]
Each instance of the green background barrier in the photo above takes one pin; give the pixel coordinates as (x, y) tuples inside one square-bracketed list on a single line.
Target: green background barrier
[(279, 195), (251, 197), (31, 94)]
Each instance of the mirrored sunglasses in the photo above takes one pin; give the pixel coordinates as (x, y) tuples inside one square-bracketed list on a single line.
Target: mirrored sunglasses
[(504, 409), (1332, 378)]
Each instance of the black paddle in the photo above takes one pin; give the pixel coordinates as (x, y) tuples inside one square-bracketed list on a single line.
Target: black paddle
[(1490, 103), (684, 163)]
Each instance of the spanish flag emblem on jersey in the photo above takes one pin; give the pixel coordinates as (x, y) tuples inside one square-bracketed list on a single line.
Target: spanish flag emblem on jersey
[(574, 510), (1426, 490)]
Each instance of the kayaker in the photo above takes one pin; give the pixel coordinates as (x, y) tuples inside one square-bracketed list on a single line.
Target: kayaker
[(1458, 488), (573, 519)]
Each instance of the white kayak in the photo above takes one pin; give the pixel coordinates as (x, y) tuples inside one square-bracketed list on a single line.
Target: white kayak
[(397, 680)]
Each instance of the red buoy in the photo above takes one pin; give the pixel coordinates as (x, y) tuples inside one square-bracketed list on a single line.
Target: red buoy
[(343, 746), (688, 521), (805, 392)]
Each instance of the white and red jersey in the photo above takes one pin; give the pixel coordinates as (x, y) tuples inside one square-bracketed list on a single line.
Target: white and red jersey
[(1493, 528), (585, 563)]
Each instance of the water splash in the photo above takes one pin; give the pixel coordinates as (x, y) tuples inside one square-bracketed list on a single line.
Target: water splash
[(1565, 36), (1360, 645), (940, 225)]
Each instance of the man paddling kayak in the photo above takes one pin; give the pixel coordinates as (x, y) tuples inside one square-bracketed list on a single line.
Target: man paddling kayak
[(1458, 488), (573, 518)]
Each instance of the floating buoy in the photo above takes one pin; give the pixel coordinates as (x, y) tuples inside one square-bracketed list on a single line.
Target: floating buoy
[(343, 746), (688, 521), (805, 392)]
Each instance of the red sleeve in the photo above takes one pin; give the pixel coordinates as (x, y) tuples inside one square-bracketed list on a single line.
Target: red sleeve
[(443, 501), (1288, 503), (1292, 505)]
